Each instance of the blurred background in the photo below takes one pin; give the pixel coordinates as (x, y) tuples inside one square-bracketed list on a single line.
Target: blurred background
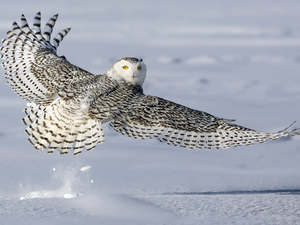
[(234, 59)]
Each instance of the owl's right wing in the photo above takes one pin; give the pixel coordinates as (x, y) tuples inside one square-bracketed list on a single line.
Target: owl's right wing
[(32, 67), (175, 124)]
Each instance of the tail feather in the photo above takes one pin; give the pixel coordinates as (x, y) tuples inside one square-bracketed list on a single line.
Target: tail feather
[(101, 137), (59, 135), (92, 138), (29, 130), (56, 137), (69, 142), (50, 129), (80, 140)]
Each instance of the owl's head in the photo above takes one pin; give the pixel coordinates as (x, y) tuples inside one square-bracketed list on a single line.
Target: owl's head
[(129, 70)]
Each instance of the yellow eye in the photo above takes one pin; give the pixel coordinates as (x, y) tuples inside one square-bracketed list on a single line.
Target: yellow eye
[(139, 67), (125, 67)]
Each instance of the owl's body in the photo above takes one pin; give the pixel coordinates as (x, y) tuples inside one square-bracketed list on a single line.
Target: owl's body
[(68, 105)]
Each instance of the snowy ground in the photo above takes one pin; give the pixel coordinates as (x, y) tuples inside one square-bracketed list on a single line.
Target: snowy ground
[(234, 59)]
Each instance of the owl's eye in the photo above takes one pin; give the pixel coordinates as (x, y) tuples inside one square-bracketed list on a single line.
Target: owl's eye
[(139, 67), (125, 67)]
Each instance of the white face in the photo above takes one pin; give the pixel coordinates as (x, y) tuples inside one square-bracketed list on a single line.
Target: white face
[(130, 70)]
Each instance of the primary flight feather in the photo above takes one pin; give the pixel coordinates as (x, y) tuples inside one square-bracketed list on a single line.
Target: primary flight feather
[(68, 105)]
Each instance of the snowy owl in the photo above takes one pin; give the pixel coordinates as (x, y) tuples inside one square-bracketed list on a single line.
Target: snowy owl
[(68, 105)]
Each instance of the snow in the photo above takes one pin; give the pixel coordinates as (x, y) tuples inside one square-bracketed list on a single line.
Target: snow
[(85, 168), (233, 59)]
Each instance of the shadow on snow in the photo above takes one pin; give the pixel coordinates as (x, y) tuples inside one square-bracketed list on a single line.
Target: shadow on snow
[(282, 191)]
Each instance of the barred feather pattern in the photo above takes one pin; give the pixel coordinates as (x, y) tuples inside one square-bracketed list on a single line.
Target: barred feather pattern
[(59, 92), (177, 125), (106, 105), (68, 105), (32, 67), (51, 127)]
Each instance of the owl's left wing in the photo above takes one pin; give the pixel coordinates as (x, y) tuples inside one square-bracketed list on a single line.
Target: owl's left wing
[(175, 124)]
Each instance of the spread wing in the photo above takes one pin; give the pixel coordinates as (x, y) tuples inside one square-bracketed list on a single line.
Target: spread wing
[(37, 74), (32, 67), (175, 124)]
